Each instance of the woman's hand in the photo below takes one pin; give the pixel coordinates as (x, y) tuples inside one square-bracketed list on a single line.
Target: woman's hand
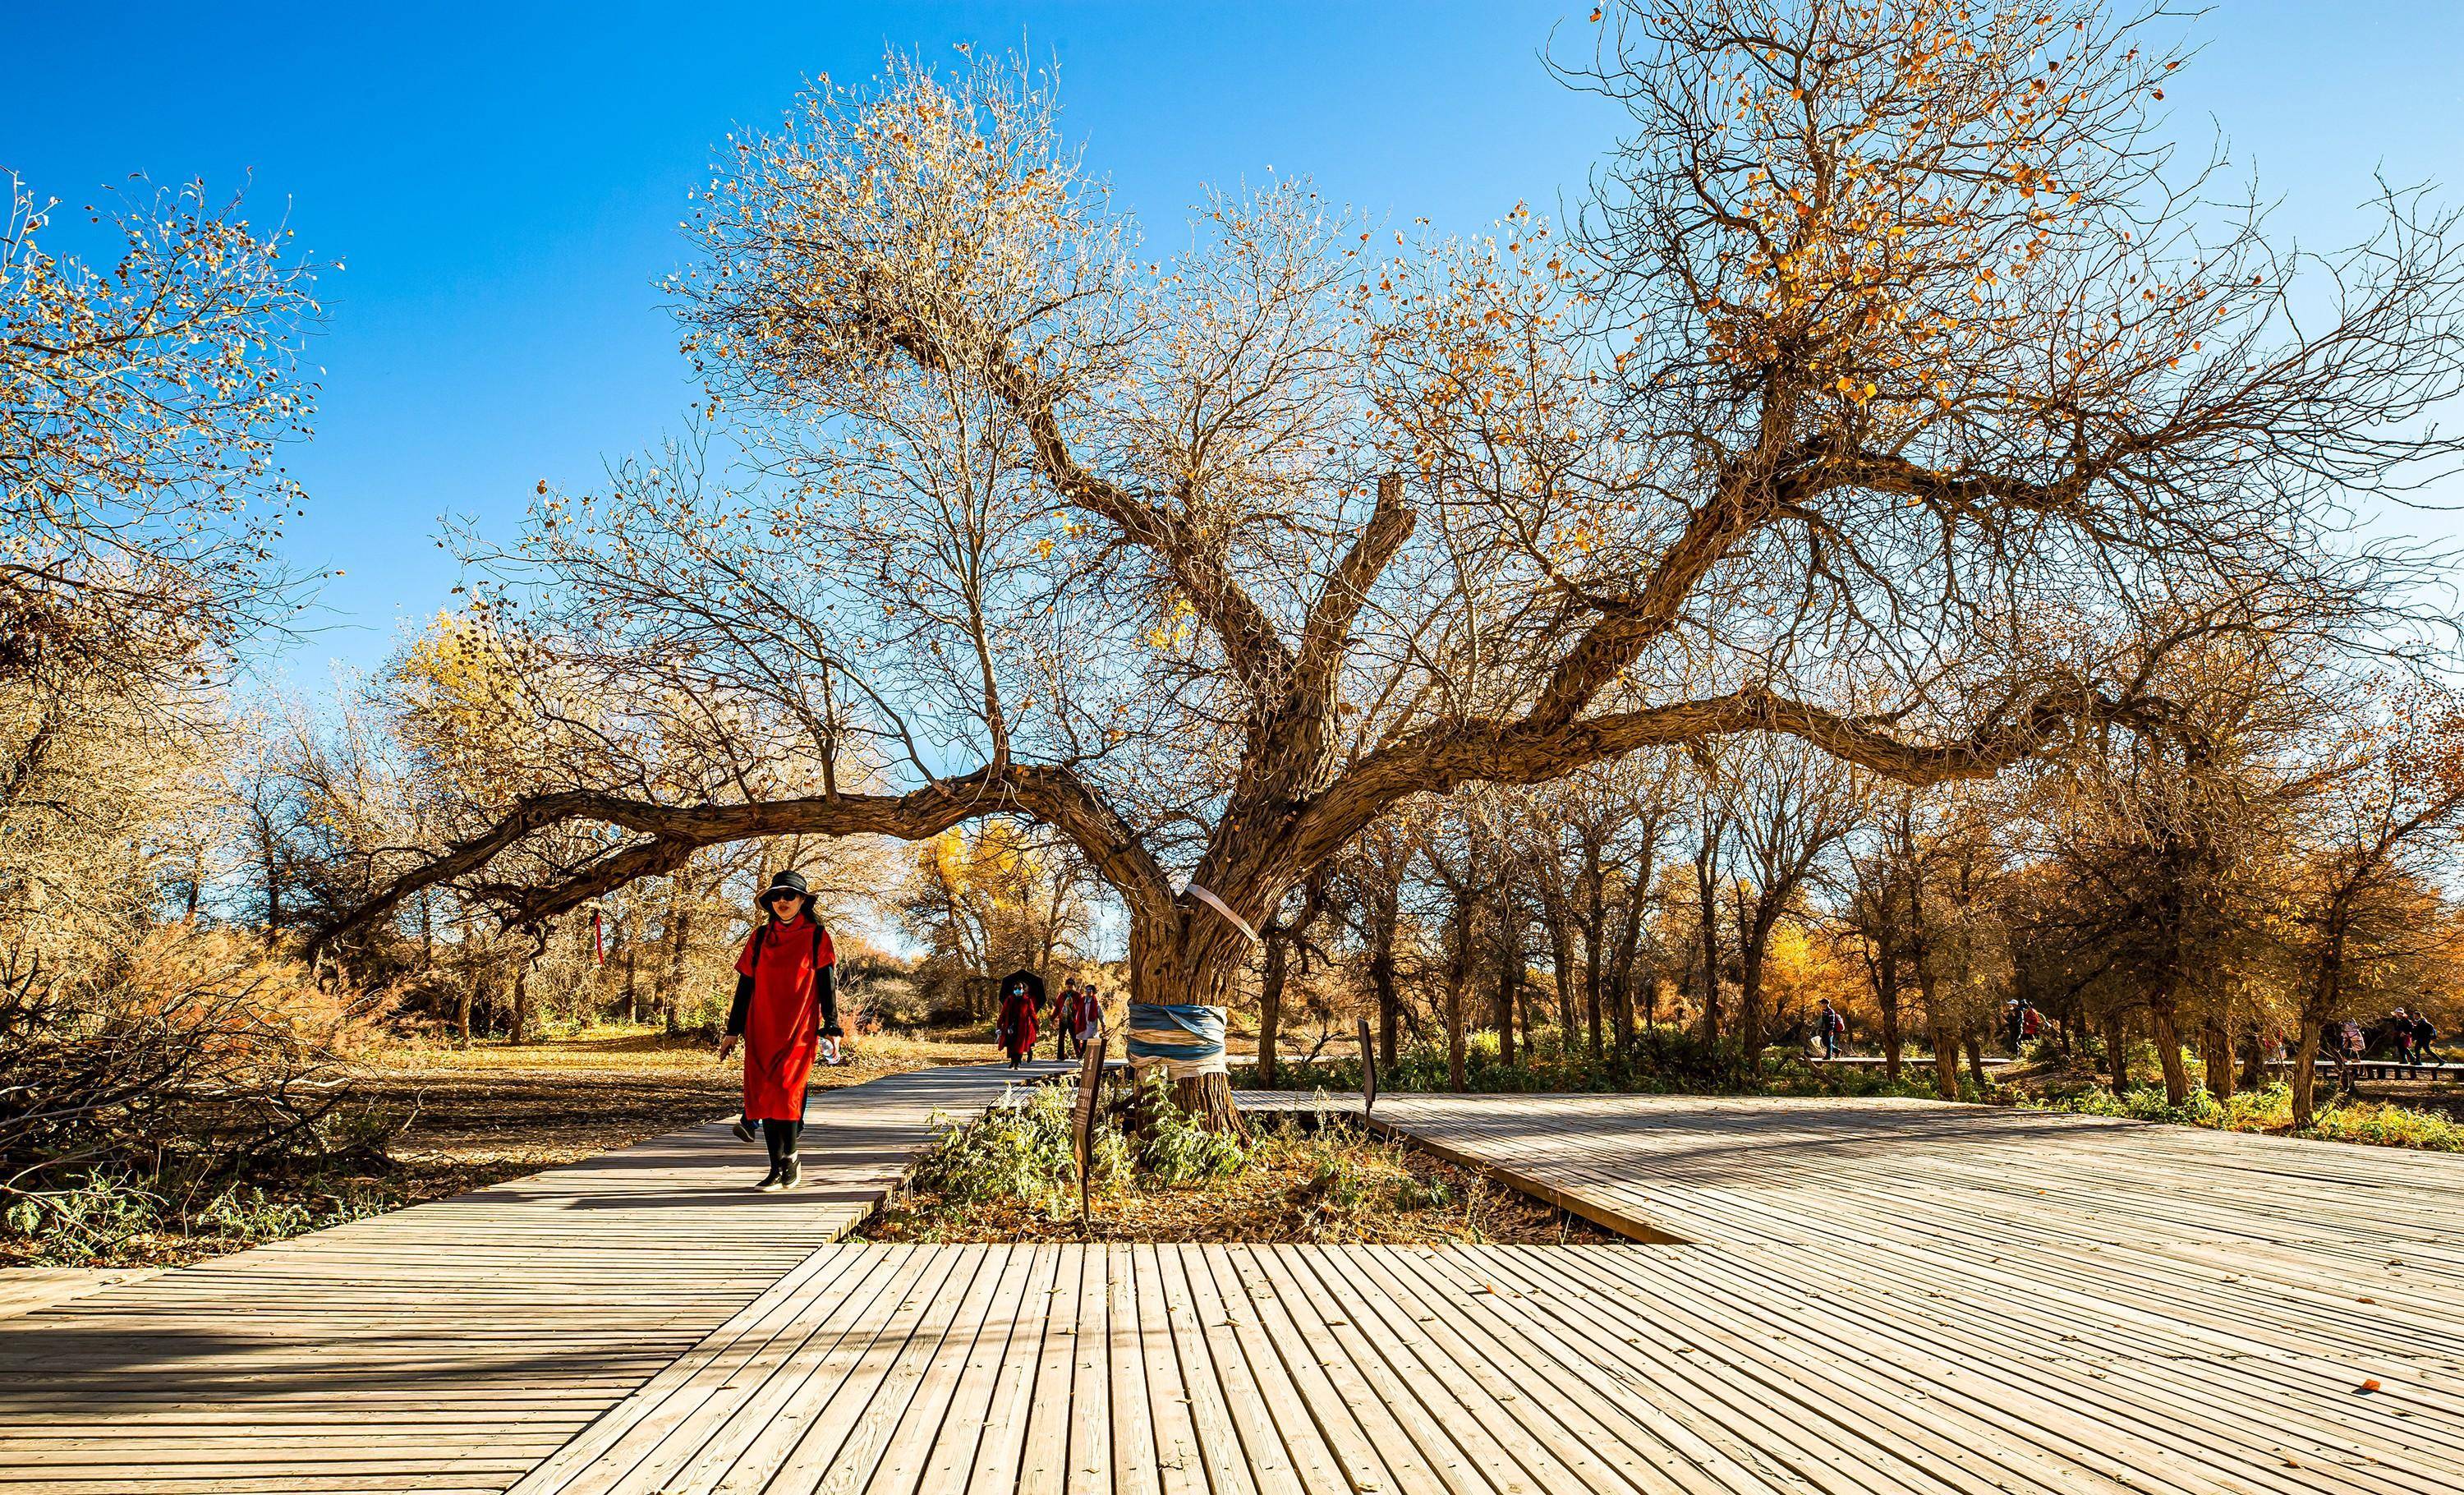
[(727, 1046)]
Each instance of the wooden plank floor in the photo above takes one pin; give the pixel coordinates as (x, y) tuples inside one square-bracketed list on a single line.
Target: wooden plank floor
[(24, 1290), (448, 1347), (1872, 1296), (2166, 1306)]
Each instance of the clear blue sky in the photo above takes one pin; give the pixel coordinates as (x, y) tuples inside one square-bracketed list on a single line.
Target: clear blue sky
[(503, 182)]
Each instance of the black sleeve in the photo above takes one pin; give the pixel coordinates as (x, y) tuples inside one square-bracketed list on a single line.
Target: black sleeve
[(742, 1004), (825, 1001)]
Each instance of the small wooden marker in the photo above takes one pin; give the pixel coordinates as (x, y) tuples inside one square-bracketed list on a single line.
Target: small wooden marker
[(1091, 1081), (1368, 1070)]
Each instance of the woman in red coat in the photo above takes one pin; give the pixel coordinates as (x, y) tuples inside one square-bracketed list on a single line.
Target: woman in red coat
[(1022, 999), (786, 1002)]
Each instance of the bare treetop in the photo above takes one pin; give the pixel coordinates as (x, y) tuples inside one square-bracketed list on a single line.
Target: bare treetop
[(1889, 376), (141, 407)]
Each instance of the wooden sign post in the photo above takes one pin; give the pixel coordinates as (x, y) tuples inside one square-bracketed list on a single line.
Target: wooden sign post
[(1090, 1085), (1368, 1070)]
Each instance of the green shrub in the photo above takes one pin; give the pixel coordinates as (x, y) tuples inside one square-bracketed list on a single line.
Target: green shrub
[(1022, 1153), (1026, 1153), (93, 1218), (1172, 1148), (2268, 1109)]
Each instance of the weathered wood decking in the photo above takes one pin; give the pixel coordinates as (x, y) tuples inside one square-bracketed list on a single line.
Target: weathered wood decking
[(2039, 1301), (1872, 1296), (448, 1347)]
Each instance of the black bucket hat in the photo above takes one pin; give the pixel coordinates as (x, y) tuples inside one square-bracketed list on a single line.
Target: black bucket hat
[(785, 882)]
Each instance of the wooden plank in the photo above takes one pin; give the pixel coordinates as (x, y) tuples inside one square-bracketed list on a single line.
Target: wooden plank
[(1002, 1447), (2134, 1287), (951, 1458), (1180, 1460), (1130, 1428), (503, 1321)]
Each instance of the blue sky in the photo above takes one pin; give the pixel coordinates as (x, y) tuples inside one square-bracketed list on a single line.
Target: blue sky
[(503, 182)]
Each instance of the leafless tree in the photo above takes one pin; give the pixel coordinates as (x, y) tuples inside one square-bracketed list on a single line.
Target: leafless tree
[(1890, 349), (1792, 808)]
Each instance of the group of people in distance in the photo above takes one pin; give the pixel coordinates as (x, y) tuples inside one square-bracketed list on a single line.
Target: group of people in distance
[(2021, 1021), (1077, 1018), (2411, 1033)]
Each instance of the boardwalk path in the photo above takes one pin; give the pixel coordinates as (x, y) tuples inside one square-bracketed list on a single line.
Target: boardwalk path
[(448, 1347), (2043, 1301), (1870, 1296)]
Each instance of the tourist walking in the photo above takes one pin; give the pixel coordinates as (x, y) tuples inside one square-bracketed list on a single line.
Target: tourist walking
[(786, 1004), (2342, 1042), (2424, 1036), (1064, 1021), (2399, 1027), (1091, 1018), (1832, 1026), (1021, 1002)]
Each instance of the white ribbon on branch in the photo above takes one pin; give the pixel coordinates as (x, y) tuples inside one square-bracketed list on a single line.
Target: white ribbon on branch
[(1222, 908)]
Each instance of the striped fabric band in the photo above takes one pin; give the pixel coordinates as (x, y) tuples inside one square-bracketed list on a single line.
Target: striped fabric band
[(1186, 1040)]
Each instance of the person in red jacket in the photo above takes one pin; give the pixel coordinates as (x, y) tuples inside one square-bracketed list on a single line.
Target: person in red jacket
[(786, 1002), (1022, 1004)]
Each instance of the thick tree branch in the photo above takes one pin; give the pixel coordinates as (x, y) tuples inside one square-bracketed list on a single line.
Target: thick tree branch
[(1054, 795), (1250, 640), (1443, 756)]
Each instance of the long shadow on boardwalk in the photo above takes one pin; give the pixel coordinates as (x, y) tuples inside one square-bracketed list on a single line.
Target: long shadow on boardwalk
[(452, 1346)]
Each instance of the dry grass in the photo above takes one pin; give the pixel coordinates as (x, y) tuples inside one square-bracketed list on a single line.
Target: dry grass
[(431, 1120), (1334, 1184), (494, 1110)]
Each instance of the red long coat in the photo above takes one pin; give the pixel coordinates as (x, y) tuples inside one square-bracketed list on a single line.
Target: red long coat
[(783, 1020), (1018, 1022)]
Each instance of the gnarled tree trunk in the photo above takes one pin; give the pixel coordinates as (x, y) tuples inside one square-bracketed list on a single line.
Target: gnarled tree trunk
[(1510, 982), (1886, 995), (2215, 1054), (2168, 1046), (1185, 962), (1270, 999)]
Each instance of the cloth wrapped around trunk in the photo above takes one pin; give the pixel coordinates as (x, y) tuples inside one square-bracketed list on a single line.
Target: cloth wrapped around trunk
[(1184, 1038)]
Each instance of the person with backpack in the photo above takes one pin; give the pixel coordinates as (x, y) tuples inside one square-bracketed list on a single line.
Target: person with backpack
[(1832, 1026), (1091, 1017), (1065, 1020), (785, 1009), (2424, 1035)]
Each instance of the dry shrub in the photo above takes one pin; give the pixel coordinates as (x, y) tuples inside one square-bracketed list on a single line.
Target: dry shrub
[(198, 1055)]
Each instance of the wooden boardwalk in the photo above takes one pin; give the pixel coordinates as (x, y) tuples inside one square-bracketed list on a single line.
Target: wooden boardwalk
[(1988, 1298), (448, 1347), (1870, 1296)]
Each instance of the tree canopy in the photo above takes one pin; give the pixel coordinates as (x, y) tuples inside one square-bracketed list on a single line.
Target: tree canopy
[(1893, 391)]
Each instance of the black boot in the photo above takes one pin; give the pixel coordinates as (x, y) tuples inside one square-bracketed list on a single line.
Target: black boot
[(775, 1137), (791, 1167)]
